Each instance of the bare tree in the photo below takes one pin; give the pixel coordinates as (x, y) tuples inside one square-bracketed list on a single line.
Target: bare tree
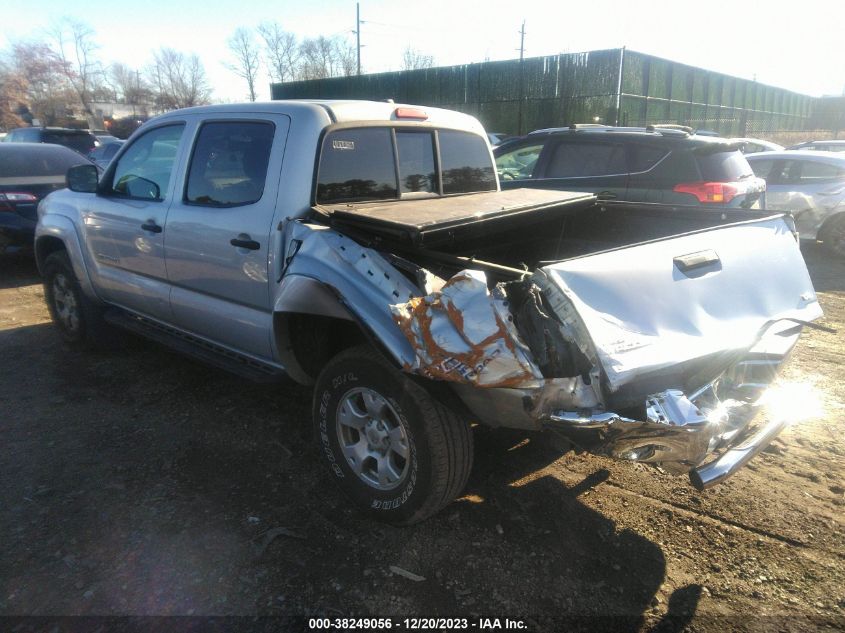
[(130, 86), (412, 59), (12, 98), (323, 57), (247, 58), (47, 94), (281, 51), (178, 80), (73, 42)]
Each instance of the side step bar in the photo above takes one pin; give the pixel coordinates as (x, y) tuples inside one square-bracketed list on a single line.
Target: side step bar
[(196, 347)]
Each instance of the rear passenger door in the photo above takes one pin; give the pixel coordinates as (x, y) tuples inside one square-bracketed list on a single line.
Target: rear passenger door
[(598, 167), (218, 232)]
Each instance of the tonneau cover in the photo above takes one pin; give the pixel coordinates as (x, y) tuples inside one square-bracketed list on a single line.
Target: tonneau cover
[(434, 220)]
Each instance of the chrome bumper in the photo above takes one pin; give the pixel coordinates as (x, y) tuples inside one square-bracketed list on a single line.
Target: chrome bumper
[(680, 432)]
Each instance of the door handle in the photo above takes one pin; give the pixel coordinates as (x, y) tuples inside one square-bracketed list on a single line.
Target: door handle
[(696, 261), (151, 226), (245, 241)]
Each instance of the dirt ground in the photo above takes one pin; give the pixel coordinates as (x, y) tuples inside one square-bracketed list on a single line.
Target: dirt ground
[(139, 482)]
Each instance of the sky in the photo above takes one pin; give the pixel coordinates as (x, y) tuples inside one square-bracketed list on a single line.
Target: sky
[(799, 46)]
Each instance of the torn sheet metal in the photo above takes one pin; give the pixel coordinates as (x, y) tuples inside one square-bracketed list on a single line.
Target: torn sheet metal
[(463, 333)]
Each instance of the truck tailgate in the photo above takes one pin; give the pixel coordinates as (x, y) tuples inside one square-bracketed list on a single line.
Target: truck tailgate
[(655, 305)]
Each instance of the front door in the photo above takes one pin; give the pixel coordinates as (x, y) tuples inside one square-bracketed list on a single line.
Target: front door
[(127, 218)]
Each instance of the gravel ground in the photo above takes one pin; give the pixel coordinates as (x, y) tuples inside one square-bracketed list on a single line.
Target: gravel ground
[(141, 483)]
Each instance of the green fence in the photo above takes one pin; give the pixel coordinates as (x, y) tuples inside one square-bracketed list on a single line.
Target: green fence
[(614, 86)]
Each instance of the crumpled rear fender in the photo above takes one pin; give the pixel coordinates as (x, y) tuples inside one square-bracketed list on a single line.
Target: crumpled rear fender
[(355, 283)]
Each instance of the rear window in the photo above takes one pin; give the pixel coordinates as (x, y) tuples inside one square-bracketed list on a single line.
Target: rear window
[(358, 164), (465, 163), (35, 161), (723, 166), (79, 142)]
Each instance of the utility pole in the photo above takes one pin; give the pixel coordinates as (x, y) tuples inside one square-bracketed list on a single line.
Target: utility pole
[(522, 41), (521, 75), (358, 32)]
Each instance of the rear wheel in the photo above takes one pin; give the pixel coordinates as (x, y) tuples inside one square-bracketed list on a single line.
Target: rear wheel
[(394, 449), (833, 235)]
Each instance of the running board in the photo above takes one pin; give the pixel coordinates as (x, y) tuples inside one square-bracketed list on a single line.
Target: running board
[(195, 347)]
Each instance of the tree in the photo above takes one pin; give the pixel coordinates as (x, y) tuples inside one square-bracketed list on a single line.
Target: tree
[(247, 59), (12, 98), (281, 51), (323, 57), (47, 94), (73, 43), (412, 59), (131, 88), (178, 80)]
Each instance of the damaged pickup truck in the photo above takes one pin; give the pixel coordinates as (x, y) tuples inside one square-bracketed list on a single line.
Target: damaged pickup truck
[(366, 249)]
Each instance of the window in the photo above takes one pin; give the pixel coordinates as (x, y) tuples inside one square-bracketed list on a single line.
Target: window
[(644, 157), (144, 170), (417, 174), (724, 166), (812, 171), (38, 161), (762, 168), (357, 164), (580, 160), (465, 163), (519, 163), (229, 163)]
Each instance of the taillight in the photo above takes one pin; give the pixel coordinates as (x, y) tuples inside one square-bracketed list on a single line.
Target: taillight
[(11, 198), (712, 192)]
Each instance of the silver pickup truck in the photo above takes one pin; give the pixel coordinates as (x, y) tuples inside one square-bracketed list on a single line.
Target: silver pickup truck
[(365, 248)]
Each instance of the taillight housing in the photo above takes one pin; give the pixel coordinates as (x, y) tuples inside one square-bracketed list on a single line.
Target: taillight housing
[(9, 199), (410, 113), (711, 192)]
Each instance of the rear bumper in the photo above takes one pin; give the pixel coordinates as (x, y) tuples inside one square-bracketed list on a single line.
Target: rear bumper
[(709, 435)]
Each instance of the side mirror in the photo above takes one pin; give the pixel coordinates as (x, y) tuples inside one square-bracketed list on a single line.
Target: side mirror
[(82, 178)]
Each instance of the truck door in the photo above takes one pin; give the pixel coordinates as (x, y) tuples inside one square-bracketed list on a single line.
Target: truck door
[(124, 224), (218, 232)]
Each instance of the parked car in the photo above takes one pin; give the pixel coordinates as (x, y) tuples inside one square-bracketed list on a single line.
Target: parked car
[(105, 152), (820, 146), (810, 185), (756, 145), (654, 164), (365, 248), (496, 138), (81, 141), (28, 172)]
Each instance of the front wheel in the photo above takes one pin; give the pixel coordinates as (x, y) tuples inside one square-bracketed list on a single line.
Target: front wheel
[(395, 450)]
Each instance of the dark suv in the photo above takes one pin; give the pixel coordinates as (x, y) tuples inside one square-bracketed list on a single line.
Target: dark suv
[(80, 140), (638, 164)]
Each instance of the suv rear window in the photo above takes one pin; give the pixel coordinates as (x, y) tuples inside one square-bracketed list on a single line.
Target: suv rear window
[(578, 160), (82, 142), (724, 166), (358, 164)]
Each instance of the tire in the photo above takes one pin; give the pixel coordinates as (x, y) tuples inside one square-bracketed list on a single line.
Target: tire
[(397, 452), (832, 235), (78, 319)]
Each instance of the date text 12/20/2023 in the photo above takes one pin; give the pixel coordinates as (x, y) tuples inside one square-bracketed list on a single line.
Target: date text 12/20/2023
[(415, 624)]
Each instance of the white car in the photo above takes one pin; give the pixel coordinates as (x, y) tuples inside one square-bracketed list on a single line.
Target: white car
[(811, 185), (755, 145)]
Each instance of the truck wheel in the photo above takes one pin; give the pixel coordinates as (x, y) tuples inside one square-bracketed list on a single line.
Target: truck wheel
[(396, 451), (78, 319), (833, 235)]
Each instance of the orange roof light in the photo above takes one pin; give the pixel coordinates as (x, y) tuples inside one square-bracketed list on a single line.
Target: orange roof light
[(410, 113)]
